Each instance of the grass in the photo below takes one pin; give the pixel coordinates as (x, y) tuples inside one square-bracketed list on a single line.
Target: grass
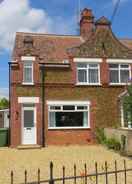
[(31, 160)]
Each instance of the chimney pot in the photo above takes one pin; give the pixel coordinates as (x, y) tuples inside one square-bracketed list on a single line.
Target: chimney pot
[(86, 23)]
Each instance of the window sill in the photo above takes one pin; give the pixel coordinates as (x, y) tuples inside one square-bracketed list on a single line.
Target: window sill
[(125, 128), (27, 84), (68, 128), (118, 84), (83, 84)]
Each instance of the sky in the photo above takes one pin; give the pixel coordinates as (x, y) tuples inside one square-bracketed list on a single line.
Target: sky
[(52, 16)]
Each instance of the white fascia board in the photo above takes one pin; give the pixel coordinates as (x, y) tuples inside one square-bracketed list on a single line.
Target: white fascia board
[(88, 60), (4, 110), (27, 58), (14, 61), (119, 61), (30, 100), (68, 102)]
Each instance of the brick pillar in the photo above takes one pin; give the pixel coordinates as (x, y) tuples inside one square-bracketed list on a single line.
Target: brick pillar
[(93, 108), (74, 73), (104, 73)]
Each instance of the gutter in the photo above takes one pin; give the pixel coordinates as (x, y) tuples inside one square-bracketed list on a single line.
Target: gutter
[(43, 106)]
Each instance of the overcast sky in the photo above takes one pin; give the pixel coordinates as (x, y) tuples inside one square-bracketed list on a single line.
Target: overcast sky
[(52, 16)]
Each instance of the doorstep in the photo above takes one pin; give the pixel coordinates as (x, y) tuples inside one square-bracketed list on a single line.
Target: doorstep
[(29, 146)]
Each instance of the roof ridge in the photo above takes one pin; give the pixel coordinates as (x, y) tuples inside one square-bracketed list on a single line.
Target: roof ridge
[(49, 35), (130, 39), (119, 41)]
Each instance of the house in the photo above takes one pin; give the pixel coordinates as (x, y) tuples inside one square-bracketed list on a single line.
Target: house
[(62, 87), (4, 118)]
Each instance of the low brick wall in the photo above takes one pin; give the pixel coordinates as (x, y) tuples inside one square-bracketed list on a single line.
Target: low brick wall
[(118, 134), (69, 137)]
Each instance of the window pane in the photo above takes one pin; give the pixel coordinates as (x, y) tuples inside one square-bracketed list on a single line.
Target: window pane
[(82, 76), (82, 107), (124, 66), (124, 76), (28, 64), (93, 76), (55, 107), (52, 119), (114, 76), (114, 66), (69, 119), (82, 65), (28, 118), (68, 107), (28, 75), (93, 65)]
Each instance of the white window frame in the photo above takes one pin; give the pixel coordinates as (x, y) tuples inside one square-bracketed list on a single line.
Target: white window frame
[(28, 59), (122, 116), (63, 103), (87, 69), (119, 72), (24, 82), (122, 119)]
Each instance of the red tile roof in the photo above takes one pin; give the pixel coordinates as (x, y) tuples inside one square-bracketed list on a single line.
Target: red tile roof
[(127, 42), (51, 48)]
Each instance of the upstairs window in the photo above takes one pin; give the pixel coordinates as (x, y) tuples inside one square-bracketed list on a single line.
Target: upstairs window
[(119, 73), (28, 72), (88, 73)]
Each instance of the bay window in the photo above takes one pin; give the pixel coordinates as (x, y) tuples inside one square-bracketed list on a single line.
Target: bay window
[(126, 117), (119, 73), (88, 73), (68, 116)]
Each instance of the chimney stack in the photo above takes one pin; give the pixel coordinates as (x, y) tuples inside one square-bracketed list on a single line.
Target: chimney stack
[(86, 23), (103, 23)]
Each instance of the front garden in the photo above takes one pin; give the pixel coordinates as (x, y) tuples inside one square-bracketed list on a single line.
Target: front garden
[(31, 160)]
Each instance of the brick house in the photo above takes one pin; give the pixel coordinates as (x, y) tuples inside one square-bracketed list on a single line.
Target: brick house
[(63, 87)]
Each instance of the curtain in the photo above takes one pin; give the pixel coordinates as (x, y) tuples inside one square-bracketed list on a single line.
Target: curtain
[(82, 75), (52, 119), (114, 76), (124, 76), (93, 76), (85, 119)]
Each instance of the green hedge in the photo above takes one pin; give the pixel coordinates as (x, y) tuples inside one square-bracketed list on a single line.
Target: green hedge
[(110, 143)]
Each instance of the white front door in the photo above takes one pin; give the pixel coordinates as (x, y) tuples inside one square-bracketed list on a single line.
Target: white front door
[(29, 125)]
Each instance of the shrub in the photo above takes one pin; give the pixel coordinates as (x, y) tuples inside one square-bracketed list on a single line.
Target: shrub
[(112, 143), (100, 136)]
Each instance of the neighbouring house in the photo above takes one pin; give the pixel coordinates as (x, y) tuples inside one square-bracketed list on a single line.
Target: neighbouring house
[(4, 118), (62, 87)]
